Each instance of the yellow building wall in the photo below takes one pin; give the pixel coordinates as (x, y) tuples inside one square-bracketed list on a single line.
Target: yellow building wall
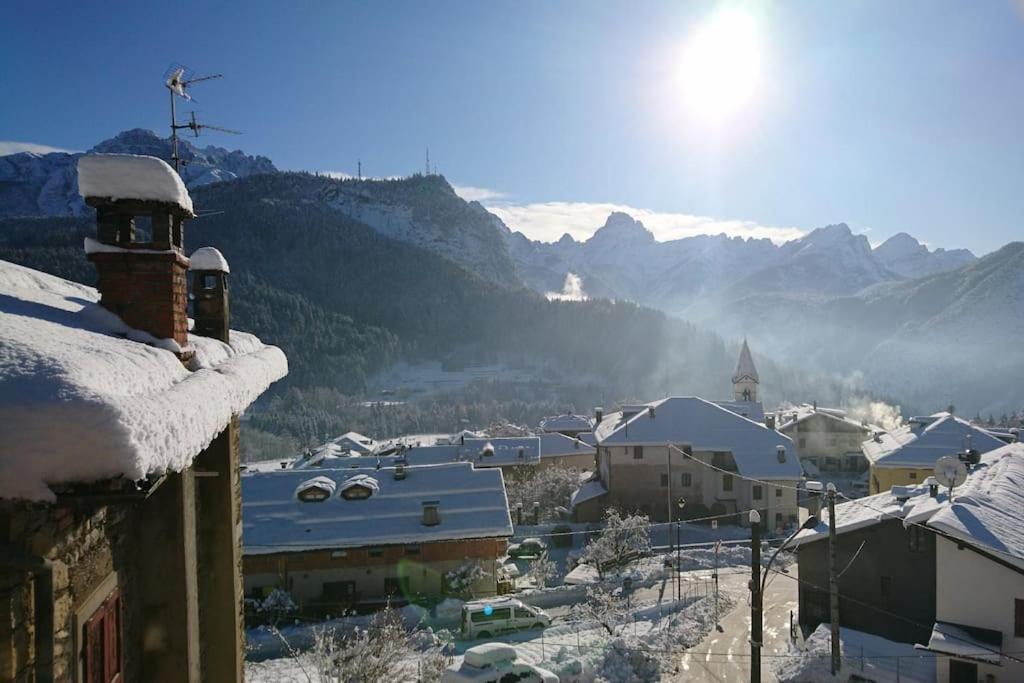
[(884, 478)]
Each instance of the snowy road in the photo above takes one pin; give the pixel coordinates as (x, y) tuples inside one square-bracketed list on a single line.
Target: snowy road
[(725, 655)]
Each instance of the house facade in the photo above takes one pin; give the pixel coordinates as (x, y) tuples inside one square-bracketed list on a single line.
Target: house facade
[(907, 456), (651, 455), (826, 438), (119, 489), (357, 538)]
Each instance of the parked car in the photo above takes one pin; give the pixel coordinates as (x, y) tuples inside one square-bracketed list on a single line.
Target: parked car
[(486, 618), (493, 663), (528, 548)]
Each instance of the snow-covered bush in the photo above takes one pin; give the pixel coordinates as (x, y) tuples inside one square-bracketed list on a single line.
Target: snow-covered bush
[(461, 579), (542, 570), (277, 605), (627, 662), (550, 486), (621, 539)]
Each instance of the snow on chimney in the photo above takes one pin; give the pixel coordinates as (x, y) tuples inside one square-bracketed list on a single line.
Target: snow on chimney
[(141, 282), (210, 294)]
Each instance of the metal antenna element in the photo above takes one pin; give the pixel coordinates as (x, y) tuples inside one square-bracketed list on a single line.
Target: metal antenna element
[(178, 79), (195, 127)]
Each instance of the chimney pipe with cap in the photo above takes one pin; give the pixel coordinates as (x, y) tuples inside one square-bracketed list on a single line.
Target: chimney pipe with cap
[(780, 453), (598, 415), (210, 294)]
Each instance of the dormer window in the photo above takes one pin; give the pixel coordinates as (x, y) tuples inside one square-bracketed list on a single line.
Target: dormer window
[(315, 490), (359, 487)]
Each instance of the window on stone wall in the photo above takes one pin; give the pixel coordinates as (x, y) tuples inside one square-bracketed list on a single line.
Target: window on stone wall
[(638, 452), (102, 640), (686, 479), (778, 493)]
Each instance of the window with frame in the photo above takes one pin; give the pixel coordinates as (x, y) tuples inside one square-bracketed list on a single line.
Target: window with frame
[(727, 482), (778, 493), (1018, 618), (102, 642), (392, 585), (757, 491), (376, 551), (916, 539), (686, 479), (885, 586), (412, 549), (638, 452), (912, 476), (664, 481)]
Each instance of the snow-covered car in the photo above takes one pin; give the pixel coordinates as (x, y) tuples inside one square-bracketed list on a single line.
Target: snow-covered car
[(529, 548), (486, 618), (494, 662)]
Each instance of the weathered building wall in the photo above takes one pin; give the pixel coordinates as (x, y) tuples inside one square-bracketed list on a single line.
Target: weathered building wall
[(79, 546), (420, 568), (887, 578), (884, 478)]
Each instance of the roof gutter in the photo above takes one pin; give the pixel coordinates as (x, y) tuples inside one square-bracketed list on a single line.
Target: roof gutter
[(42, 572)]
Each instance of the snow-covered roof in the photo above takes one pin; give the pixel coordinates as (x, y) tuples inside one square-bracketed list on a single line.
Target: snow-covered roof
[(567, 423), (589, 490), (83, 397), (555, 445), (966, 642), (745, 365), (131, 176), (355, 442), (923, 440), (985, 511), (787, 418), (505, 451), (752, 410), (208, 258), (706, 427), (471, 504)]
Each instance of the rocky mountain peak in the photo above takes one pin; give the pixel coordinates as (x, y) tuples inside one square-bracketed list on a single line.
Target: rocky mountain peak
[(621, 227)]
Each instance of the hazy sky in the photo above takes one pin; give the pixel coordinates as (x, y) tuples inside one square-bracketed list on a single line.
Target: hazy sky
[(890, 116)]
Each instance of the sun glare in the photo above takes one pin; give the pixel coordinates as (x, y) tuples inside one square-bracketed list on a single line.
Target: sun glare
[(720, 68)]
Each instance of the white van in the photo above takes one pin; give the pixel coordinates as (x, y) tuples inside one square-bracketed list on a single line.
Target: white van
[(493, 663), (486, 618)]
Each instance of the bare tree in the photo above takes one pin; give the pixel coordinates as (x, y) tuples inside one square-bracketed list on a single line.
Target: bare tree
[(621, 539), (277, 606), (605, 608)]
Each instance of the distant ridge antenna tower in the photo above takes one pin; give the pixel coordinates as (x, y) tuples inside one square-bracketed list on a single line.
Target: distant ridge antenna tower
[(178, 79), (427, 167)]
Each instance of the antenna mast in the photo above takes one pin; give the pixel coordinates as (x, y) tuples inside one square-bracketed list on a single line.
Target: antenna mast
[(359, 168), (428, 162), (179, 78)]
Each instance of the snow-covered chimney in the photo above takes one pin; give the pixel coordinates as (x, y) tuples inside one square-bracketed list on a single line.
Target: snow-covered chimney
[(210, 294), (143, 282)]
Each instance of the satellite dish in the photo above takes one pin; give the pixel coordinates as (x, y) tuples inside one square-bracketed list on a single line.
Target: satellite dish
[(950, 472)]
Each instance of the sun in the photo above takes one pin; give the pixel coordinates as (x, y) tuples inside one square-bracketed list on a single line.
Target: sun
[(721, 65)]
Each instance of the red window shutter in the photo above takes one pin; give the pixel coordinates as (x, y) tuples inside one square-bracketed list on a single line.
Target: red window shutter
[(94, 648)]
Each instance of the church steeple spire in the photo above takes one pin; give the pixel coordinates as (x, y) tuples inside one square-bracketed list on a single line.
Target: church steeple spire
[(745, 379)]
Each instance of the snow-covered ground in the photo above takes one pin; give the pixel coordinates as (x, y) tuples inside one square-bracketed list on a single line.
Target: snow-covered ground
[(864, 657)]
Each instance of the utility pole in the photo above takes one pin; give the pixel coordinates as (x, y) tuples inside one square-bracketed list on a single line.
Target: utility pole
[(755, 597), (359, 169), (668, 508), (833, 580)]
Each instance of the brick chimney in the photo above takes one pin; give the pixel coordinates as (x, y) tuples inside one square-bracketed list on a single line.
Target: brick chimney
[(210, 294), (143, 283)]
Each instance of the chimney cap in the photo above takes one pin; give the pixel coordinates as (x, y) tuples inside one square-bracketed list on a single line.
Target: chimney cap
[(108, 178), (208, 258)]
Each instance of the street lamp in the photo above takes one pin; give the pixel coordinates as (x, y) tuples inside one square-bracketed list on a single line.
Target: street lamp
[(680, 503)]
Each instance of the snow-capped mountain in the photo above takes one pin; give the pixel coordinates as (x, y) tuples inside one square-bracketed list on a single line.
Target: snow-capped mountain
[(623, 260), (47, 184), (904, 255)]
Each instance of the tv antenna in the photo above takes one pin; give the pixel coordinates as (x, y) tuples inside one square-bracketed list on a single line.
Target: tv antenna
[(950, 472), (195, 126), (178, 80)]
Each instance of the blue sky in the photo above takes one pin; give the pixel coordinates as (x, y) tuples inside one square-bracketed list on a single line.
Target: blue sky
[(889, 116)]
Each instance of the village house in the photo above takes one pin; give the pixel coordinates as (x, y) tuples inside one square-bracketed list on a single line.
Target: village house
[(945, 572), (651, 455), (906, 456), (119, 486), (559, 450), (826, 439), (338, 539)]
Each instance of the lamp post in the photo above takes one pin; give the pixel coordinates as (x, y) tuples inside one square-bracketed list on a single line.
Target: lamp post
[(680, 503)]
